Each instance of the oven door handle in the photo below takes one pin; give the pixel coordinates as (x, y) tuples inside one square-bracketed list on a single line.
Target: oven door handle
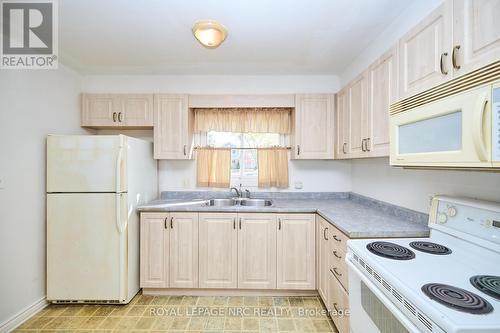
[(383, 298)]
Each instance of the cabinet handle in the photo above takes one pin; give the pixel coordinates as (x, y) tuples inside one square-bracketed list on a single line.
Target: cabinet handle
[(171, 223), (234, 223), (165, 223), (279, 224), (185, 153), (336, 255), (441, 63), (367, 142), (454, 61), (343, 147), (337, 239), (240, 223), (298, 149), (363, 145), (114, 117), (335, 307), (324, 233), (120, 118), (334, 271)]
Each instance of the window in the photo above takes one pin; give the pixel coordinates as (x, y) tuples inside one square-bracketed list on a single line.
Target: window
[(244, 168)]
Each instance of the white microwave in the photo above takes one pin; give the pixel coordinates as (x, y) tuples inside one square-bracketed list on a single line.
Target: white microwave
[(457, 131)]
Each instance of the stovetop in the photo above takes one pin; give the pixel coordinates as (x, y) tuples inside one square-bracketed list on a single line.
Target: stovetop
[(423, 278)]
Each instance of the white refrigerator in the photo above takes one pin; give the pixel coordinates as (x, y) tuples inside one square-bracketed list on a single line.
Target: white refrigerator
[(94, 184)]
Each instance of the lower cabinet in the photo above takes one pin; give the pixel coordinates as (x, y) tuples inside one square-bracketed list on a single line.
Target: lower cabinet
[(218, 250), (257, 251), (228, 250), (296, 255), (338, 304)]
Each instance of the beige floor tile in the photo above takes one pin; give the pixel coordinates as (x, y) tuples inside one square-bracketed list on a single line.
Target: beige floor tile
[(56, 323), (103, 311), (266, 301), (88, 310), (120, 311), (232, 324), (145, 323), (295, 301), (36, 322), (136, 311), (205, 301), (144, 300), (197, 323), (312, 302), (214, 323), (321, 325), (92, 322), (268, 325), (162, 323), (175, 300), (74, 322), (286, 324), (235, 301), (72, 310), (189, 300), (126, 323), (304, 325), (220, 301), (109, 323), (54, 310), (160, 300), (250, 301), (250, 324), (281, 301)]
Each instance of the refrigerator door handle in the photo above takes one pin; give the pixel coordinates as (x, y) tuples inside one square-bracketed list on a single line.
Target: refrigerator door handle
[(118, 187), (119, 224)]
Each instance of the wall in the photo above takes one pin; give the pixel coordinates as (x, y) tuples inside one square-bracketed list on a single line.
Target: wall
[(33, 103), (389, 37), (181, 175), (413, 188)]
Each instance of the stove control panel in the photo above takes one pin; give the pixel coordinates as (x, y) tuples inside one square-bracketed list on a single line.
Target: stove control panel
[(480, 219)]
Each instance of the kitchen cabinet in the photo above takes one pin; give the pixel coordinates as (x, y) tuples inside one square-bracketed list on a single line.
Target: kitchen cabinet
[(342, 125), (382, 92), (117, 110), (313, 123), (476, 34), (323, 262), (154, 250), (218, 250), (173, 127), (296, 258), (257, 251), (183, 250), (358, 115), (425, 52)]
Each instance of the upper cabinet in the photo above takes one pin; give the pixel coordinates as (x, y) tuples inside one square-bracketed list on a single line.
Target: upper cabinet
[(313, 136), (117, 110), (476, 34), (424, 52), (173, 127), (357, 99), (382, 79)]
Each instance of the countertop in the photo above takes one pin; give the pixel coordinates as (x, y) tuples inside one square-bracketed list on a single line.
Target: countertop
[(354, 215)]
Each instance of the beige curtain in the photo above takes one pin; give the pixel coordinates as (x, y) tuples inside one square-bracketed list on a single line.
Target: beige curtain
[(243, 120), (273, 167), (213, 167)]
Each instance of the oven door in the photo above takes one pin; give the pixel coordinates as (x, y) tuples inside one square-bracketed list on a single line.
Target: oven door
[(370, 310), (452, 132)]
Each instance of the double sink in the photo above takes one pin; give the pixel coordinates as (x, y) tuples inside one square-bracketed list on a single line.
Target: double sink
[(239, 202)]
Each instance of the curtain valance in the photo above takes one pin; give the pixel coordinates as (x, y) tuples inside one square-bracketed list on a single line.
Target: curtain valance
[(243, 120)]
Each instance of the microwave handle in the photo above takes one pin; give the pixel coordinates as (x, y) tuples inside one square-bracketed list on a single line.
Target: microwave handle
[(478, 131)]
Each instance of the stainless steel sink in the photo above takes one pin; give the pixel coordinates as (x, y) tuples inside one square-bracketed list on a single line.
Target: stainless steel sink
[(222, 202), (256, 202)]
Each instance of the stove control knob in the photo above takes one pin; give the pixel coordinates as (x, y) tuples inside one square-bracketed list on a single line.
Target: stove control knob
[(452, 211), (442, 218)]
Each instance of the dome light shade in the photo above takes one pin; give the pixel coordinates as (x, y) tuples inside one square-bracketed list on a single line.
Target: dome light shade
[(209, 33)]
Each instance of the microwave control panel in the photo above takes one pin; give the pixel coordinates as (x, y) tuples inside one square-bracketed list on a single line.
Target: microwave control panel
[(495, 124)]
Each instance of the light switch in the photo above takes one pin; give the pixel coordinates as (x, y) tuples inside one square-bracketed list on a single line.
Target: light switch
[(299, 185), (2, 183)]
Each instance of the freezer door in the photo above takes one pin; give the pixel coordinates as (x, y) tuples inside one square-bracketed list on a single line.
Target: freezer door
[(87, 247), (86, 163)]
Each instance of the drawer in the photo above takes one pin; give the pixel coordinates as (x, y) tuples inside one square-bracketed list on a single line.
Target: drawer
[(339, 239), (339, 270), (339, 305)]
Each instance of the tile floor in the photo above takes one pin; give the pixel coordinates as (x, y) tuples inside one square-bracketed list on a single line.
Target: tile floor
[(187, 314)]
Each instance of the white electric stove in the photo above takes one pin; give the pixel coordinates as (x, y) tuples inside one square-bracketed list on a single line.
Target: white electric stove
[(449, 282)]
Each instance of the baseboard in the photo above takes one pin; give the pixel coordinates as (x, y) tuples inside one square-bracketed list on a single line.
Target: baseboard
[(23, 315), (226, 292)]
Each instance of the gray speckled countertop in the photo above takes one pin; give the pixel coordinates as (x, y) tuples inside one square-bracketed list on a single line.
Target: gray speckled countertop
[(354, 215)]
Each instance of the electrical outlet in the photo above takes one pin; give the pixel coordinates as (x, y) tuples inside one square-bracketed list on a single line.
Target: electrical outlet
[(299, 185), (186, 183)]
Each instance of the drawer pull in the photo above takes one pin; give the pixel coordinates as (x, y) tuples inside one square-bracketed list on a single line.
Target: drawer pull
[(324, 233), (335, 307), (337, 239), (336, 255), (171, 223), (441, 63), (114, 117), (165, 222), (334, 271), (234, 223)]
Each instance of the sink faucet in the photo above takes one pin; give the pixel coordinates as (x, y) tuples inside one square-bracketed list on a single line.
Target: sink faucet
[(247, 193), (238, 192)]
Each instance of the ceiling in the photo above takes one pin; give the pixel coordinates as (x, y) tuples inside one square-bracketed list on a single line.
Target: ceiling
[(265, 36)]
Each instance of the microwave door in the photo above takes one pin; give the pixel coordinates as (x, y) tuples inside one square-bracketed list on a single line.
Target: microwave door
[(452, 132)]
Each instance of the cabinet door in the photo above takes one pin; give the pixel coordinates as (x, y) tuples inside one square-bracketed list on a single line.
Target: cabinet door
[(100, 110), (323, 255), (338, 304), (382, 91), (172, 127), (296, 258), (358, 120), (313, 123), (183, 250), (342, 125), (218, 250), (476, 34), (137, 110), (257, 251), (424, 52), (154, 250)]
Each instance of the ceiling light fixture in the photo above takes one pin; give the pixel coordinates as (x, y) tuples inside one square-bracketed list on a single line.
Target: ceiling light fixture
[(209, 33)]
